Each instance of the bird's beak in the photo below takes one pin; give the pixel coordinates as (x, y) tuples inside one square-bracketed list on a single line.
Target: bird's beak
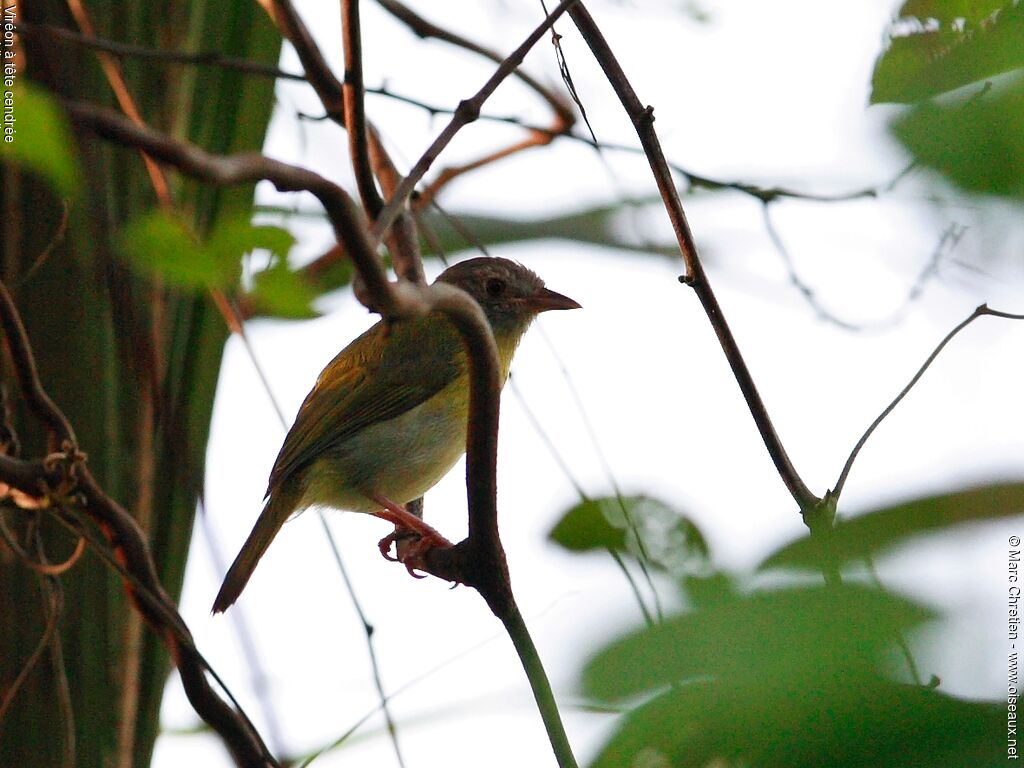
[(546, 299)]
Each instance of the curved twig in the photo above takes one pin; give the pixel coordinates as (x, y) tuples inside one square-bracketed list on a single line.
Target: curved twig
[(127, 539), (978, 312)]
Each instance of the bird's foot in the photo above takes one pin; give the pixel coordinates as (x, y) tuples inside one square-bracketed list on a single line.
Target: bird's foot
[(408, 526), (412, 557)]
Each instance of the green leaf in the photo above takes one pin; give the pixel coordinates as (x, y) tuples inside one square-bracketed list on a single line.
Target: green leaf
[(586, 527), (771, 637), (978, 144), (234, 237), (928, 62), (883, 529), (38, 138), (279, 292), (845, 721), (948, 11), (159, 244), (669, 539)]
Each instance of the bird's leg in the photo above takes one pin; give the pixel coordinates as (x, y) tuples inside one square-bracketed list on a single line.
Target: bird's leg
[(405, 523)]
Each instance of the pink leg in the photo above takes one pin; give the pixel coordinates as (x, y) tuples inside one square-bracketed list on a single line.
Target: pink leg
[(406, 523)]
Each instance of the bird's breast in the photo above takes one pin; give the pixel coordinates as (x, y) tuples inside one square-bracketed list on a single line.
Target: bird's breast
[(401, 458)]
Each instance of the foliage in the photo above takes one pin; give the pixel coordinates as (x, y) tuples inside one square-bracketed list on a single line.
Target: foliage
[(50, 153), (160, 245), (784, 676), (975, 136)]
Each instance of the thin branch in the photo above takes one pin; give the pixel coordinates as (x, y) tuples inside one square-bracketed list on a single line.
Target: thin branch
[(355, 108), (402, 238), (157, 55), (978, 312), (696, 278), (948, 241), (378, 681), (128, 541), (467, 111), (49, 630), (220, 61), (426, 29), (53, 595)]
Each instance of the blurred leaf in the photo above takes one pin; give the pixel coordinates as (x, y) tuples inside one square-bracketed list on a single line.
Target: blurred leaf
[(842, 722), (948, 11), (977, 144), (883, 529), (670, 539), (160, 244), (234, 237), (774, 638), (40, 140), (280, 292), (586, 527), (928, 62)]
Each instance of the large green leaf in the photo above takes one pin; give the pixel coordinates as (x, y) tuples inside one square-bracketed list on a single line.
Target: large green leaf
[(924, 61), (784, 679), (976, 144), (880, 530), (767, 636), (827, 717)]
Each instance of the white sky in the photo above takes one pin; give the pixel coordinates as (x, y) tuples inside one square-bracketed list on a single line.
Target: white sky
[(773, 93)]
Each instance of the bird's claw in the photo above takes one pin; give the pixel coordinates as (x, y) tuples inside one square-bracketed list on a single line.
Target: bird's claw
[(412, 558)]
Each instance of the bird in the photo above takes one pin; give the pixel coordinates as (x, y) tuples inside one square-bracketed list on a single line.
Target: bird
[(387, 417)]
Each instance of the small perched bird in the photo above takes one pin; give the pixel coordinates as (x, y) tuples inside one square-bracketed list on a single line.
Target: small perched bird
[(386, 419)]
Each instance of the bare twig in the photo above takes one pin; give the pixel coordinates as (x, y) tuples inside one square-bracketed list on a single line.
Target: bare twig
[(427, 29), (389, 721), (978, 312), (402, 237), (126, 538), (157, 55), (467, 111), (947, 242), (52, 614), (562, 121), (355, 108), (695, 277)]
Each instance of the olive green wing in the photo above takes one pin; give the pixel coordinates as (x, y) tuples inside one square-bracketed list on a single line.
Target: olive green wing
[(387, 371)]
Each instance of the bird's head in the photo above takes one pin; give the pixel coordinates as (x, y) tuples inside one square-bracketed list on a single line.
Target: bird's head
[(509, 294)]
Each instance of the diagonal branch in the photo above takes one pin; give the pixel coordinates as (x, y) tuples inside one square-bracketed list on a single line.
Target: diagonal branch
[(696, 278)]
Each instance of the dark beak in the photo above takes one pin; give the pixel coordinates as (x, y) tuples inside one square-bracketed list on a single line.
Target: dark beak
[(546, 299)]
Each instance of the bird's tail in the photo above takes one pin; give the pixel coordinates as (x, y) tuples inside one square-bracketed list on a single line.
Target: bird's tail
[(279, 506)]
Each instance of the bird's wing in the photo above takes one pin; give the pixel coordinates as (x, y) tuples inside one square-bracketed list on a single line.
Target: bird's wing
[(406, 362)]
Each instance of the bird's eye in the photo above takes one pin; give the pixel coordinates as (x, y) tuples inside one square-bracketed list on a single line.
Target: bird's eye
[(495, 286)]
